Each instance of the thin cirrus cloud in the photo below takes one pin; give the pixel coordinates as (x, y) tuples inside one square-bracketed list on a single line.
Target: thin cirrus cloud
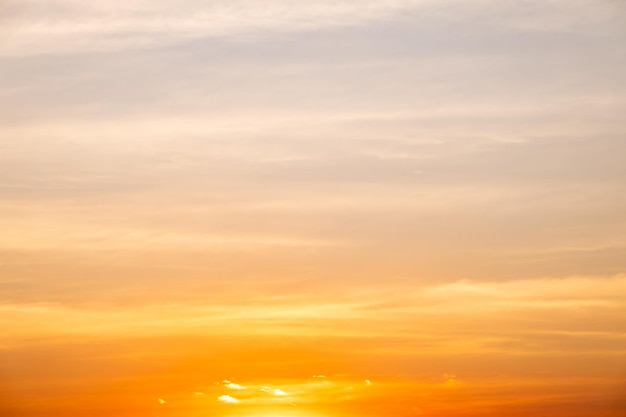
[(350, 313), (70, 26), (66, 26)]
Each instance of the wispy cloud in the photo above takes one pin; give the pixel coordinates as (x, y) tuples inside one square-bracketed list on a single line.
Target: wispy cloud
[(442, 310), (234, 386), (71, 26), (227, 399), (67, 26)]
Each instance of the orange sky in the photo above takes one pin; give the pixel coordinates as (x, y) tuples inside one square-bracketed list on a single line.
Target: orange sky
[(312, 209)]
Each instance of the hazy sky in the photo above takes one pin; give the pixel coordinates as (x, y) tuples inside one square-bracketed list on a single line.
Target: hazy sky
[(429, 196)]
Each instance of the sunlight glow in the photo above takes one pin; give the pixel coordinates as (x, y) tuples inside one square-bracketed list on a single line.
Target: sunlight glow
[(227, 399), (279, 392)]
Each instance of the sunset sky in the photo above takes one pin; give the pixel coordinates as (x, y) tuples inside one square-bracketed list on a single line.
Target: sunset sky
[(289, 208)]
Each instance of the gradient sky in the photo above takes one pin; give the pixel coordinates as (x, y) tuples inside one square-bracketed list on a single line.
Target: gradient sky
[(280, 208)]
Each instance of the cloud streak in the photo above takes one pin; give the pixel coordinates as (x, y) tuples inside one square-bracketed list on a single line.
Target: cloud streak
[(443, 310), (138, 24), (67, 26)]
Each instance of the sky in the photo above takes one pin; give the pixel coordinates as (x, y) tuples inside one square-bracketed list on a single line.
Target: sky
[(280, 208)]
